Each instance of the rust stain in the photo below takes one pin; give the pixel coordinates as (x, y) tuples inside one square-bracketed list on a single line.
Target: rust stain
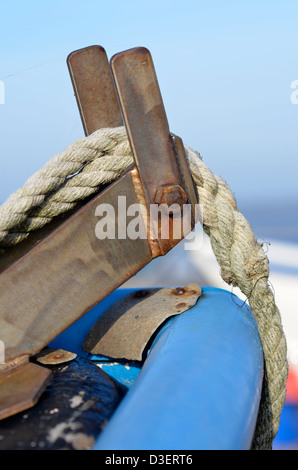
[(181, 305), (58, 356), (185, 292)]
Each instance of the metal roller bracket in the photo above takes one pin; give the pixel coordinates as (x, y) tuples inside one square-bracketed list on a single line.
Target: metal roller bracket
[(63, 270)]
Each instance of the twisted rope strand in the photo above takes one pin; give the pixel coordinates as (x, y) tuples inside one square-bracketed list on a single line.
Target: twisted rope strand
[(62, 181), (245, 265), (89, 163)]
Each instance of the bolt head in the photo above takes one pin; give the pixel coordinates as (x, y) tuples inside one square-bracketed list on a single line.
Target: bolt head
[(171, 194)]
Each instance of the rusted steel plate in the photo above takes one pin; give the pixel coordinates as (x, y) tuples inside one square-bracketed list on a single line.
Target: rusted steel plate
[(94, 90), (51, 356), (149, 134), (124, 330), (66, 274), (145, 119), (21, 388), (13, 253)]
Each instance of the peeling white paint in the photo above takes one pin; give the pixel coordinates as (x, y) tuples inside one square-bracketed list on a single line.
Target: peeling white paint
[(60, 431), (75, 401)]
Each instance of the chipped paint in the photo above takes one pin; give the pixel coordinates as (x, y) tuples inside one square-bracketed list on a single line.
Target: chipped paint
[(76, 401)]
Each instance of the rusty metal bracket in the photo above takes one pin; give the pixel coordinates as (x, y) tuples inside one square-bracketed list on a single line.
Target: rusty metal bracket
[(63, 270), (21, 387), (125, 329)]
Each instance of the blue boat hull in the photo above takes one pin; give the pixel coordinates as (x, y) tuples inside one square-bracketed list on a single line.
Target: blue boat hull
[(200, 385)]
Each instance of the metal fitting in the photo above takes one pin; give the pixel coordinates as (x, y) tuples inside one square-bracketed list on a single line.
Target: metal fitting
[(171, 194)]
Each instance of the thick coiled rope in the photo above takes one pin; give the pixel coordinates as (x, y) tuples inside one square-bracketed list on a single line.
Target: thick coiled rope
[(93, 161)]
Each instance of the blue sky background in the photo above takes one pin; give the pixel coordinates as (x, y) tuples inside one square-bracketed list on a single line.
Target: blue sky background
[(224, 68)]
